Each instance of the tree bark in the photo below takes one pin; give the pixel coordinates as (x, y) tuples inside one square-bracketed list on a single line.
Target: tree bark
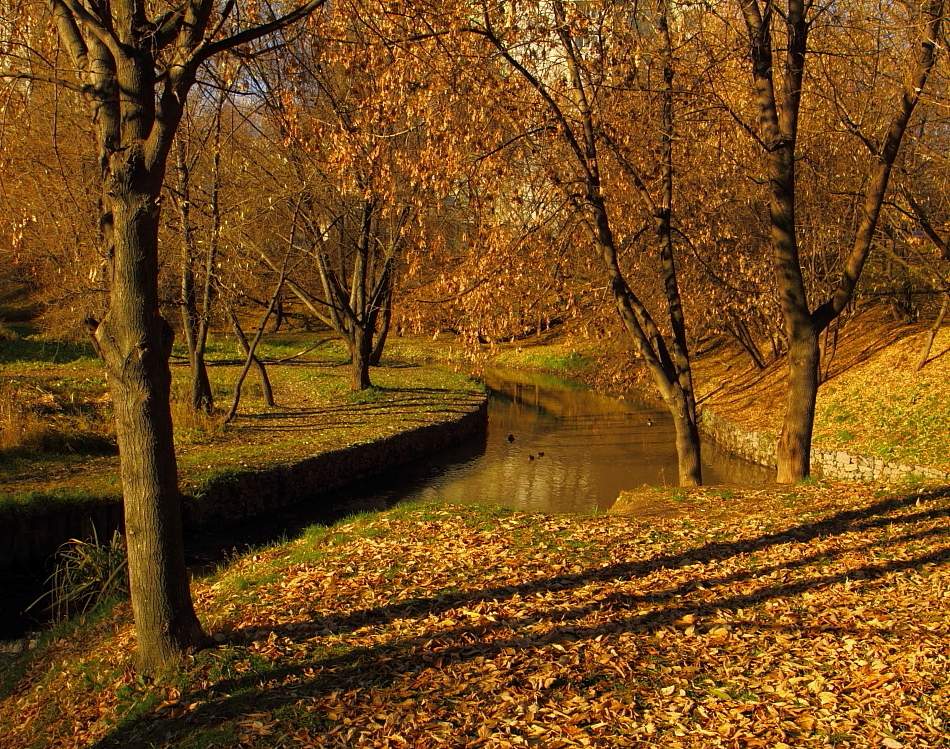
[(361, 350), (136, 102), (201, 396), (688, 454), (135, 343), (793, 452), (382, 327)]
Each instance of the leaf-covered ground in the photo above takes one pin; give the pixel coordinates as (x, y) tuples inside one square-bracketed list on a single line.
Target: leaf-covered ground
[(799, 617)]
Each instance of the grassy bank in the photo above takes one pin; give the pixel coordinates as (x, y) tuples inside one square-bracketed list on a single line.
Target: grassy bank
[(872, 401), (57, 426), (809, 616)]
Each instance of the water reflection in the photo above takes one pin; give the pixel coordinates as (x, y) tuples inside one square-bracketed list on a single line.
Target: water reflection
[(553, 447)]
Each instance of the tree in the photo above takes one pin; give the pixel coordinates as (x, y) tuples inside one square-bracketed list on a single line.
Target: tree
[(196, 322), (354, 120), (563, 54), (778, 134), (135, 73)]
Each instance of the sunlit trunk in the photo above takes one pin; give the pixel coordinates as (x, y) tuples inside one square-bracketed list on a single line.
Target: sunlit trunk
[(793, 453), (361, 349), (135, 343)]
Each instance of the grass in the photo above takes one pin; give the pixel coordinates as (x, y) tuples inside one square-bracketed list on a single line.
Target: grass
[(885, 408), (735, 621), (565, 359), (56, 432)]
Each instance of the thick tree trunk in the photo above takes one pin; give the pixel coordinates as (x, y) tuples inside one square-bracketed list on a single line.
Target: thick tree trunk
[(135, 344), (361, 349), (688, 457), (793, 452)]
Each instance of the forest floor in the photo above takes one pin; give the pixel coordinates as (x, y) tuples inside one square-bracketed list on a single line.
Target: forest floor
[(58, 439), (872, 401), (813, 615)]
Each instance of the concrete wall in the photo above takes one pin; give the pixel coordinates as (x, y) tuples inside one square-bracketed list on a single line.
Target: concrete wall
[(759, 447)]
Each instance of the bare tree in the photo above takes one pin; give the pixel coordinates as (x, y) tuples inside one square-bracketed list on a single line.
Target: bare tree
[(575, 113)]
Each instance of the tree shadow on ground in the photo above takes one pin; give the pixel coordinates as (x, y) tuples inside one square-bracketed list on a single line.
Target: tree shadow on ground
[(751, 386), (380, 666)]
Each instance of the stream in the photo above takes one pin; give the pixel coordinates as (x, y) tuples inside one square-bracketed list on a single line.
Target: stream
[(551, 446)]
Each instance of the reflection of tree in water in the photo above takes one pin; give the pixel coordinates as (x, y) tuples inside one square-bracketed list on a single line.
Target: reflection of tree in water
[(573, 450)]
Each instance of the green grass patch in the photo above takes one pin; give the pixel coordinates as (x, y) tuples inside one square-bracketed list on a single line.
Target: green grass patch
[(557, 358), (34, 350), (40, 502)]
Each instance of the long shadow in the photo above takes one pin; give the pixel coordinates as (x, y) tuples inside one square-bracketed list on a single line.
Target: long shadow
[(848, 521), (378, 666)]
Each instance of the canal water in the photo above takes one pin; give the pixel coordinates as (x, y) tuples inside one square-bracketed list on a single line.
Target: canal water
[(551, 446), (556, 446)]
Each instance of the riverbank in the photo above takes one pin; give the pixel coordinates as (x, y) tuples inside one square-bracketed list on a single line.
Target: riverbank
[(877, 416), (802, 616), (319, 437)]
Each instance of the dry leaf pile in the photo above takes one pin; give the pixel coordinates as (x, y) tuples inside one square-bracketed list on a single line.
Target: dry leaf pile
[(809, 616)]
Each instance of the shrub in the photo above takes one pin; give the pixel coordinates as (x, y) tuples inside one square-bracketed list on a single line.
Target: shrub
[(86, 574)]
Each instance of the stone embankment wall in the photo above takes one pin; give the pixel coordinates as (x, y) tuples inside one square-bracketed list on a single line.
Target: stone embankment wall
[(759, 447), (30, 535)]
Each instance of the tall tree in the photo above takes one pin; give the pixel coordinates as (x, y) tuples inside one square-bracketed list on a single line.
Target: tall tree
[(356, 121), (778, 135), (567, 66), (195, 321), (135, 71)]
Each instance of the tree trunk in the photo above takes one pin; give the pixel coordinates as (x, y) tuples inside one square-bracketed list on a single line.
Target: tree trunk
[(793, 452), (382, 332), (932, 334), (687, 450), (201, 395), (252, 347), (135, 343), (278, 315), (266, 388), (361, 349)]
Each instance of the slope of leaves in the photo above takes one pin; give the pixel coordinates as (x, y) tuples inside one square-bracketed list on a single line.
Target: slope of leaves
[(872, 401), (811, 616)]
